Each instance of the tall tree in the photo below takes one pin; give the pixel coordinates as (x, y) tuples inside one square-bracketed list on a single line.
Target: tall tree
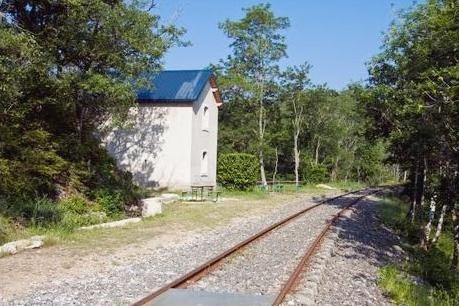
[(295, 81), (257, 45), (82, 62), (415, 95)]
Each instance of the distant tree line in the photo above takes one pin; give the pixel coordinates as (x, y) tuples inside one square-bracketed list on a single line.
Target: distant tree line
[(298, 130)]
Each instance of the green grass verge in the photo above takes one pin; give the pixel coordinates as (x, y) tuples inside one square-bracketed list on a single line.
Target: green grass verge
[(436, 284), (306, 188), (404, 291)]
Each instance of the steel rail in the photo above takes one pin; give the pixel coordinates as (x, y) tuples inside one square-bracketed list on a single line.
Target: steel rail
[(207, 265), (294, 277)]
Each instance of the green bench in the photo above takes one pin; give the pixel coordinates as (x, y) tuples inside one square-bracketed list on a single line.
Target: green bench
[(201, 194)]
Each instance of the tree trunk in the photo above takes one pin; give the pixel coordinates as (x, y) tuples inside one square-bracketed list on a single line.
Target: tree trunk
[(427, 229), (422, 185), (414, 193), (455, 257), (334, 172), (297, 156), (275, 167), (439, 224), (404, 176), (261, 131), (316, 160), (262, 168)]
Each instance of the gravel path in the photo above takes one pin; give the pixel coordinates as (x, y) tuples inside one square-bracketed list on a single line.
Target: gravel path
[(348, 273), (263, 267), (145, 273)]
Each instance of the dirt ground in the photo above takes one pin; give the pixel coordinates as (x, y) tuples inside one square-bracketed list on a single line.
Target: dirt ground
[(96, 251)]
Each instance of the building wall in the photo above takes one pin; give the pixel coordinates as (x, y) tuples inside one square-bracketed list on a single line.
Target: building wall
[(156, 149), (204, 140)]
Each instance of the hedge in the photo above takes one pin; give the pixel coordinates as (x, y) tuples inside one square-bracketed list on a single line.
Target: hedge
[(315, 173), (237, 171)]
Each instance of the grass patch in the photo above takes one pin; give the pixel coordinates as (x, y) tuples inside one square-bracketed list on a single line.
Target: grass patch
[(438, 285), (404, 291), (245, 195), (310, 188)]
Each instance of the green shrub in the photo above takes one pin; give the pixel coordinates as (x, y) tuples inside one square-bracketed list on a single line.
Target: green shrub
[(38, 211), (109, 180), (112, 203), (440, 285), (71, 221), (237, 171), (404, 291), (29, 163), (74, 204), (5, 229), (314, 173), (434, 265), (78, 211)]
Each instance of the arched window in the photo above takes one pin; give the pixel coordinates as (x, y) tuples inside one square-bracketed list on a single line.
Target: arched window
[(205, 119), (204, 163)]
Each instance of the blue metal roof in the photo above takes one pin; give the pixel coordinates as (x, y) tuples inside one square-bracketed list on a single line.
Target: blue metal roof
[(176, 85)]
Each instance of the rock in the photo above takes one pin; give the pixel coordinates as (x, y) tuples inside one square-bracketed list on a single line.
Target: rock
[(133, 208), (8, 248), (325, 186), (169, 197), (416, 279), (23, 244), (151, 207), (112, 224), (35, 245), (389, 254), (397, 248)]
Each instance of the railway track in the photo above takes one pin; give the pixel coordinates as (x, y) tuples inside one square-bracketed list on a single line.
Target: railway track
[(194, 276)]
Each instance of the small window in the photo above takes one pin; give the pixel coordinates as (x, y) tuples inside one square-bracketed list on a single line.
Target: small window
[(204, 163), (205, 119)]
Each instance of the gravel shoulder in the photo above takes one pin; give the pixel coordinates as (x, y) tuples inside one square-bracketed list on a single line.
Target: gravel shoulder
[(362, 247), (117, 266)]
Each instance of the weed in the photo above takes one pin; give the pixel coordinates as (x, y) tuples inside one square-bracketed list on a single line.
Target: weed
[(439, 284), (406, 291)]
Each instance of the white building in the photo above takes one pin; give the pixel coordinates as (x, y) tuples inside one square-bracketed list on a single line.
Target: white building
[(173, 141)]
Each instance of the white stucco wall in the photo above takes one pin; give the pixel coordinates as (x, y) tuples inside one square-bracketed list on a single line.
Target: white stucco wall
[(204, 140), (156, 149), (164, 146)]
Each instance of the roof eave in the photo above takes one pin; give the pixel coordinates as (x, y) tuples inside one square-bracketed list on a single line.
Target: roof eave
[(216, 91)]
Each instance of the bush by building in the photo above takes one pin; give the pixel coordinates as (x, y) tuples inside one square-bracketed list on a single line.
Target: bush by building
[(237, 171)]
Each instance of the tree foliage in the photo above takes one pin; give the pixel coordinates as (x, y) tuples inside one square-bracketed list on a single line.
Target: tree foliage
[(413, 101), (257, 46), (278, 114), (65, 67)]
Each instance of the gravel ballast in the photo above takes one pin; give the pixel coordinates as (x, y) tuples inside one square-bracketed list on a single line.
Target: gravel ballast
[(345, 270), (264, 266)]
